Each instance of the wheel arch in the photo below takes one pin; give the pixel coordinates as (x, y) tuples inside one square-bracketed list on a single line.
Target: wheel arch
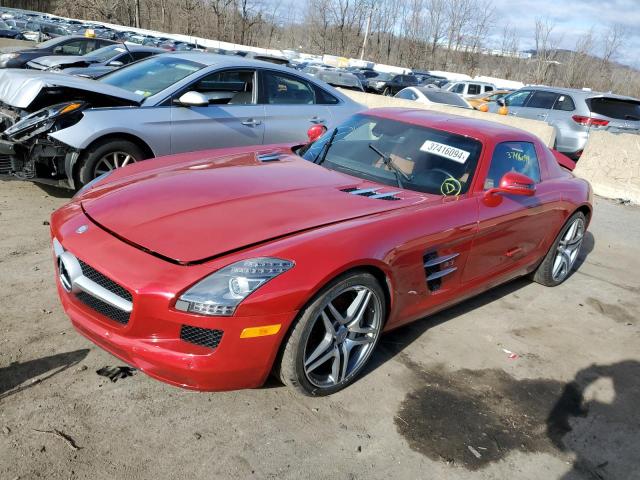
[(75, 166)]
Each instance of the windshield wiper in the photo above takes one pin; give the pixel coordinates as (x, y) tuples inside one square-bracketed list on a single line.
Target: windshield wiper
[(388, 161), (327, 146)]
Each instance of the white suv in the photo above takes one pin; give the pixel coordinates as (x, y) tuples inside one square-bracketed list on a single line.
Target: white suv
[(468, 88)]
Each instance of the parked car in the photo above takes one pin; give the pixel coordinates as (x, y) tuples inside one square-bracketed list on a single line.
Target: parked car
[(8, 31), (485, 98), (429, 95), (389, 84), (469, 88), (68, 130), (96, 63), (318, 249), (341, 79), (574, 113), (17, 57)]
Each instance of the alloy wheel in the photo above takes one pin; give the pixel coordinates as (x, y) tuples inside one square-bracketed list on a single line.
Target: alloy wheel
[(343, 336), (568, 249), (111, 161)]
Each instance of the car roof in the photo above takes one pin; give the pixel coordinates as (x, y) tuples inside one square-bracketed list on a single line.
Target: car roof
[(486, 131), (215, 59), (576, 92)]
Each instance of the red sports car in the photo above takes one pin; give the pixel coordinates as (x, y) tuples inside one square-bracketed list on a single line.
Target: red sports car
[(209, 270)]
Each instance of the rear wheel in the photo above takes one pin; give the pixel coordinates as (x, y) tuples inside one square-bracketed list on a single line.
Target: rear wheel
[(334, 336), (387, 92), (562, 256), (106, 156)]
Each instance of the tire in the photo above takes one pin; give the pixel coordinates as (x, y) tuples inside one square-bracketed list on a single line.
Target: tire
[(561, 257), (387, 92), (91, 162), (309, 341)]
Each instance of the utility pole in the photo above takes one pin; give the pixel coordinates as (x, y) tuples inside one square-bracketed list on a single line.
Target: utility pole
[(366, 32)]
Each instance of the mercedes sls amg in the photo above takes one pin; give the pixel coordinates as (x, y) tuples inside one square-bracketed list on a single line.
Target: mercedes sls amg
[(210, 270)]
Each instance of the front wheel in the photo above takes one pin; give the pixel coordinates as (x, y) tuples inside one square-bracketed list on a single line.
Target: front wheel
[(562, 256), (334, 336), (106, 156)]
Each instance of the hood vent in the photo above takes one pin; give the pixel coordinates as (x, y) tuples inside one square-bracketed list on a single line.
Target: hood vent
[(268, 157), (372, 193)]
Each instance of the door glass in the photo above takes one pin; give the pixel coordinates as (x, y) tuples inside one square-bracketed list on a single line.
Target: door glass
[(488, 88), (233, 87), (282, 89), (474, 89), (458, 88), (542, 99), (73, 48), (517, 99), (517, 157), (565, 103)]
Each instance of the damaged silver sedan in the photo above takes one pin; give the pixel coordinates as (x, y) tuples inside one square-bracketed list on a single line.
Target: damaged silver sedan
[(66, 130)]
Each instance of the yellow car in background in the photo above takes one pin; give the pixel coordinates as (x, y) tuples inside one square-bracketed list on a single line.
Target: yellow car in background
[(485, 98)]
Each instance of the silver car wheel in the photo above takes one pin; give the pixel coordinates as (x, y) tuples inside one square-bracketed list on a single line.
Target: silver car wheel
[(568, 249), (343, 336), (111, 161)]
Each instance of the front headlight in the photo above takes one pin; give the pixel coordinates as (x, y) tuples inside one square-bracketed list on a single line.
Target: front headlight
[(42, 118), (221, 292), (8, 56)]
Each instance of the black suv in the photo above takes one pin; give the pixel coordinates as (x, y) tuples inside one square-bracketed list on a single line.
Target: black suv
[(390, 84)]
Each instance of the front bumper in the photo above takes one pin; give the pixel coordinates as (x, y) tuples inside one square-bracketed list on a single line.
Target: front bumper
[(151, 338)]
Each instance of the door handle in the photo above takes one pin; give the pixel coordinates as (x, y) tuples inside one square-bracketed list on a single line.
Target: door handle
[(251, 122), (542, 115), (317, 120)]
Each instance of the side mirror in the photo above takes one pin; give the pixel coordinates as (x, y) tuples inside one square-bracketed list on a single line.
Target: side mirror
[(315, 132), (512, 183), (57, 50), (193, 99), (115, 63), (501, 102)]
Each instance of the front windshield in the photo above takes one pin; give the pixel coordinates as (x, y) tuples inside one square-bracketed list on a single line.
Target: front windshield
[(430, 160), (383, 77), (152, 75), (106, 53)]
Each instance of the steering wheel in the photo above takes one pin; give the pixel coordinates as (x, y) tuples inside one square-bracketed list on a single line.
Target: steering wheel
[(443, 172)]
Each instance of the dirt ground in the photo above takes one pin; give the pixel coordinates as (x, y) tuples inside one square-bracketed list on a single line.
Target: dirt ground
[(441, 400)]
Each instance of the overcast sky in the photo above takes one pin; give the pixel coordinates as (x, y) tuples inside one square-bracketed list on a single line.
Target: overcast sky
[(573, 18)]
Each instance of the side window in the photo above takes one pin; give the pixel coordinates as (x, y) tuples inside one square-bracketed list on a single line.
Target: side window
[(405, 94), (75, 47), (517, 157), (542, 99), (474, 89), (227, 87), (565, 102), (139, 55), (458, 88), (283, 89), (488, 88), (517, 99)]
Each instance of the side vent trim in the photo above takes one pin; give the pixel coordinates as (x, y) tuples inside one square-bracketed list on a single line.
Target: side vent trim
[(268, 157), (441, 273), (434, 271), (438, 260)]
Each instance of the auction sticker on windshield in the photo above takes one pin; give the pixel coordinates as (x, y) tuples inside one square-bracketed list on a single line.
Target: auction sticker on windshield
[(446, 151)]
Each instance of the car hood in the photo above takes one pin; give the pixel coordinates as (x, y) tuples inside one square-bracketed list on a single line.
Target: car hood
[(200, 209), (19, 88)]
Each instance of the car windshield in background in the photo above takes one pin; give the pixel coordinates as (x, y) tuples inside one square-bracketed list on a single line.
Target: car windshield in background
[(447, 98), (105, 53), (151, 76), (429, 160), (383, 77), (617, 108)]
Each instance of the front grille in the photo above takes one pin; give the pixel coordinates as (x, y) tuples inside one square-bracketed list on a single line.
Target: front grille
[(104, 308), (201, 336), (104, 281)]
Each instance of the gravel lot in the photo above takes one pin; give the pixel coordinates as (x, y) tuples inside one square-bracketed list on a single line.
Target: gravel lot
[(441, 400)]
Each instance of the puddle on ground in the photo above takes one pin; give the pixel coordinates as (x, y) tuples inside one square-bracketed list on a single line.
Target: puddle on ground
[(472, 418)]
